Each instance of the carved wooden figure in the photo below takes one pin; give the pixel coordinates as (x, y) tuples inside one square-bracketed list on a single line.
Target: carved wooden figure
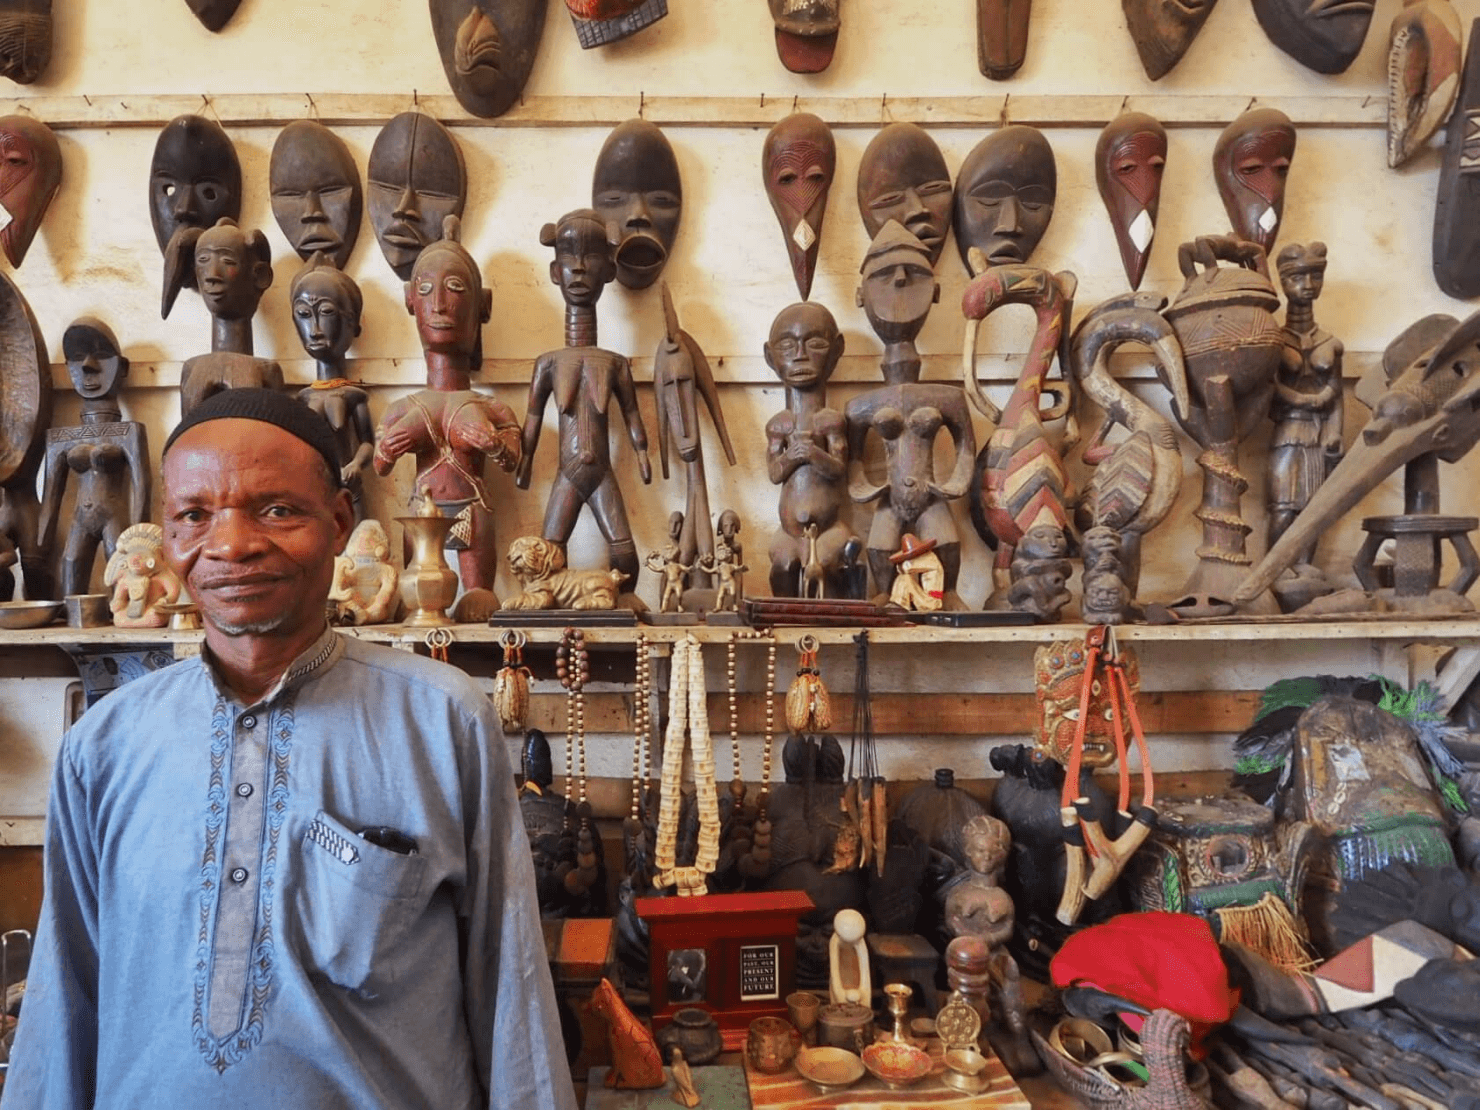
[(584, 379), (232, 268), (108, 455), (599, 22), (903, 177), (681, 378), (1005, 196), (1250, 162), (25, 399), (1457, 197), (195, 178), (316, 194), (451, 430), (637, 188), (807, 447), (797, 164), (1130, 158), (897, 292), (417, 179), (487, 49), (636, 1063), (25, 39), (806, 33), (1002, 36), (1164, 29), (1318, 34), (1425, 47), (30, 174), (1307, 407), (214, 14), (326, 305)]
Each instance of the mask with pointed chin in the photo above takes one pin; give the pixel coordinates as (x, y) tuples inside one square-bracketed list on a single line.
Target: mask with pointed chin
[(487, 49), (1163, 30), (1323, 35), (1130, 158), (1251, 161), (798, 165), (30, 173)]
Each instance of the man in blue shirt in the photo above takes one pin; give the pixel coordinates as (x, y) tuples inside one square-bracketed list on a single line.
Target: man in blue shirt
[(291, 872)]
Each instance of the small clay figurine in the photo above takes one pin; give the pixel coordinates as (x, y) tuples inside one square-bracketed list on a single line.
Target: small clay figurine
[(30, 174), (919, 586), (539, 567), (798, 162), (599, 22), (316, 194), (195, 178), (1005, 195), (1457, 196), (903, 177), (636, 1062), (1164, 29), (326, 304), (109, 456), (364, 587), (1319, 35), (1002, 36), (584, 379), (1250, 162), (1426, 44), (848, 973), (487, 49), (417, 179), (451, 429), (1130, 158), (806, 33), (683, 1079), (637, 188), (213, 14), (25, 39), (139, 579)]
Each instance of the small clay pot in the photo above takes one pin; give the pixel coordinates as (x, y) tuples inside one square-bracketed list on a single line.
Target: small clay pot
[(772, 1044), (696, 1033)]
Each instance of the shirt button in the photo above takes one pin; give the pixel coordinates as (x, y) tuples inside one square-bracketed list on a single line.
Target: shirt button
[(239, 875), (249, 721), (244, 790)]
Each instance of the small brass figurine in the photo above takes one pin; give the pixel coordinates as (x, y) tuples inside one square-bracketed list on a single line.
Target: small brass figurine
[(139, 579), (672, 572), (539, 566)]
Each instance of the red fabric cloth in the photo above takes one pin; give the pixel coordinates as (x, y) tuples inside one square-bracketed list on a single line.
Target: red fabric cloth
[(1163, 961)]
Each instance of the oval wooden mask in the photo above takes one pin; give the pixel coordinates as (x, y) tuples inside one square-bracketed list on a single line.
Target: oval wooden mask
[(1130, 158), (30, 173), (214, 14), (417, 179), (1251, 161), (798, 164), (1323, 35), (316, 194), (487, 49)]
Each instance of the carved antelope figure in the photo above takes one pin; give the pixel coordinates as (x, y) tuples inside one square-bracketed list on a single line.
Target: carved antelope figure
[(636, 1063)]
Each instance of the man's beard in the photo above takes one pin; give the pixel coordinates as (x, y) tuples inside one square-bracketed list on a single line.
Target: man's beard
[(249, 628)]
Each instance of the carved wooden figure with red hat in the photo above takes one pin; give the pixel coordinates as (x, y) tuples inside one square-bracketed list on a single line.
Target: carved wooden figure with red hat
[(920, 584)]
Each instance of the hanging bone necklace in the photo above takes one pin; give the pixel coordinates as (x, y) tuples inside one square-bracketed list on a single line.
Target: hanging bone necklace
[(757, 862), (688, 715)]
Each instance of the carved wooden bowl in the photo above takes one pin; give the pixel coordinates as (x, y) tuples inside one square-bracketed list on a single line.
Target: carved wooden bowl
[(895, 1064)]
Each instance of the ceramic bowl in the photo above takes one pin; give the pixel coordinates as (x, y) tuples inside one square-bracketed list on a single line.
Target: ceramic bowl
[(28, 614), (831, 1069), (896, 1064)]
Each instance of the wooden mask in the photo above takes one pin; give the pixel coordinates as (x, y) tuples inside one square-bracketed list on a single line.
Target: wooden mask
[(487, 49), (417, 180), (1323, 35), (315, 187), (1250, 161), (1424, 54), (599, 22), (636, 187), (1130, 158), (1002, 36), (30, 172), (903, 177), (25, 39), (798, 164), (214, 14), (195, 178), (806, 33), (1005, 195), (1163, 30), (1457, 199)]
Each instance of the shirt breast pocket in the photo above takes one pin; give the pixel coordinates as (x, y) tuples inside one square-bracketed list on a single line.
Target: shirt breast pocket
[(356, 904)]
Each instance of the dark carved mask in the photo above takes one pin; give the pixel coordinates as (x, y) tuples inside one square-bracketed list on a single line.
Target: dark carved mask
[(195, 178), (1324, 35), (599, 22), (326, 305), (417, 180), (1251, 161), (25, 39), (315, 187), (899, 284), (93, 359), (636, 187), (1002, 36), (30, 173), (1005, 195), (806, 33), (214, 14), (1457, 198), (1163, 30), (903, 177), (487, 49), (1130, 158), (798, 164)]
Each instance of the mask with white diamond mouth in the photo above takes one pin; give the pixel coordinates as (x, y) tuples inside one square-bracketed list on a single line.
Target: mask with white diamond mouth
[(1130, 159), (798, 164), (1251, 161)]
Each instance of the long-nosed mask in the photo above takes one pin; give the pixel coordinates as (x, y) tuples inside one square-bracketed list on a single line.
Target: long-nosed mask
[(636, 186), (798, 164), (1130, 158), (1251, 161), (487, 49), (30, 173), (1163, 30), (1002, 36)]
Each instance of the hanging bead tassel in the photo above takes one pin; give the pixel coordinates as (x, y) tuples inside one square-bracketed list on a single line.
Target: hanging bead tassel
[(808, 705), (511, 684)]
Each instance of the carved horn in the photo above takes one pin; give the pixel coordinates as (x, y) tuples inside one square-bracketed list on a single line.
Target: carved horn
[(1134, 319)]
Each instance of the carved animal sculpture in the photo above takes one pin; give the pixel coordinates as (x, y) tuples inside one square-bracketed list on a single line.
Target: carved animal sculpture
[(1164, 1040), (539, 565), (1024, 482), (814, 574), (637, 1064)]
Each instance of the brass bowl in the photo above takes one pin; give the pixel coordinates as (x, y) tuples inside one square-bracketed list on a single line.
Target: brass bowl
[(895, 1064), (28, 614), (964, 1070), (831, 1069)]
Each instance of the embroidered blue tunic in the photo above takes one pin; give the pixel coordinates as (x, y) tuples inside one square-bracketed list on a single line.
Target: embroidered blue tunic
[(216, 933)]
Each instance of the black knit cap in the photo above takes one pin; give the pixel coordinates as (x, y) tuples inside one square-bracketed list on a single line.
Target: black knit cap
[(270, 407)]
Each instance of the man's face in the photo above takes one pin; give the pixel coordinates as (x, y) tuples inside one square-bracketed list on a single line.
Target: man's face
[(315, 190), (903, 177), (252, 527), (417, 180), (195, 179), (636, 186), (804, 346), (446, 300), (1005, 195)]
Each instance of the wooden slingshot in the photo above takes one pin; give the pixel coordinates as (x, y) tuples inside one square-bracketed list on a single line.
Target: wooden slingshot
[(1094, 861)]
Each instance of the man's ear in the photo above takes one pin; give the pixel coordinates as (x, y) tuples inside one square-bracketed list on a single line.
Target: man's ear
[(344, 519)]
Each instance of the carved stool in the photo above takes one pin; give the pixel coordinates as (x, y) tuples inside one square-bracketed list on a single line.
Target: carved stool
[(1417, 559), (907, 958)]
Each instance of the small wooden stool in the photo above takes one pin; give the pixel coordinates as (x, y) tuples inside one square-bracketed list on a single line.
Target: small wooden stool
[(907, 958)]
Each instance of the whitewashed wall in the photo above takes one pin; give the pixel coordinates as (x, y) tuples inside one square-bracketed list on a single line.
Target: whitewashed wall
[(729, 273)]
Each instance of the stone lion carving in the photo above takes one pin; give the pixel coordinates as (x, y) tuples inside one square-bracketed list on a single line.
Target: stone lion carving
[(539, 565)]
